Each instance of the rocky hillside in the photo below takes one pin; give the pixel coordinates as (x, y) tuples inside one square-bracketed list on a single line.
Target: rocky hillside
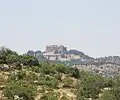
[(49, 81), (59, 53), (22, 77), (106, 66)]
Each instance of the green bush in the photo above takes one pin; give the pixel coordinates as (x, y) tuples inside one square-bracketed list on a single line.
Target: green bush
[(49, 96), (16, 88), (90, 86), (68, 82), (2, 80), (107, 95), (75, 73)]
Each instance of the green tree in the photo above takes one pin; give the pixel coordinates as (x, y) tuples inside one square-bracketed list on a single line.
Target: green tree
[(91, 86), (75, 73), (12, 58), (7, 56), (29, 60)]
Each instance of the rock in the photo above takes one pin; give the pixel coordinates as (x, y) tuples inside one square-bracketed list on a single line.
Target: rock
[(4, 67), (16, 97)]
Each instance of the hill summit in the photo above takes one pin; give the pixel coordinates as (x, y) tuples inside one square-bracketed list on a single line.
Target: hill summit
[(106, 66), (59, 53), (62, 54)]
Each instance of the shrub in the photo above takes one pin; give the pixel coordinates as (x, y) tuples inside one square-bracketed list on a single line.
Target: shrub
[(49, 96), (16, 88), (68, 82)]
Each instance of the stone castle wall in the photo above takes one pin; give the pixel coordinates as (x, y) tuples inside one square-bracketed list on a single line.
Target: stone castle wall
[(56, 48)]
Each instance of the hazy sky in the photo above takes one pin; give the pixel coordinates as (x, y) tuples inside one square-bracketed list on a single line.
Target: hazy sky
[(91, 26)]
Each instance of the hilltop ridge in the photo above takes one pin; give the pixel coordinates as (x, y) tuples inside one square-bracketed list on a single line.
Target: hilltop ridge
[(59, 53), (73, 56), (106, 66)]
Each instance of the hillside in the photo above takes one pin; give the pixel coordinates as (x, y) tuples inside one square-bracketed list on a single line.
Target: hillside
[(22, 77), (59, 53), (106, 66)]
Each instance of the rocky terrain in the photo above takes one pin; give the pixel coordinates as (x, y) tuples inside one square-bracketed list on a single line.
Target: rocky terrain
[(106, 70), (60, 53), (107, 66), (23, 77)]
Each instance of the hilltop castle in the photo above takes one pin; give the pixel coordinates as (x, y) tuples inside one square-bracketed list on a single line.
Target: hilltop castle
[(56, 52)]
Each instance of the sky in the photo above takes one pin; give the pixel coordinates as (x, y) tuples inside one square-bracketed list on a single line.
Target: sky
[(91, 26)]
